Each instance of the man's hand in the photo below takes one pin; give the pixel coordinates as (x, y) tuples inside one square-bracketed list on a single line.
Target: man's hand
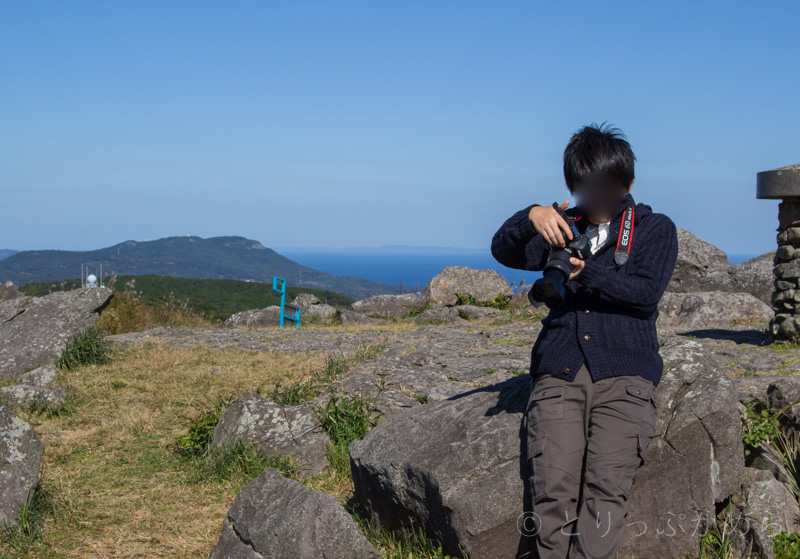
[(549, 224), (578, 266)]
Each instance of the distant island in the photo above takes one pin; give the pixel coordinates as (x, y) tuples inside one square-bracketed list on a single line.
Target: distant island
[(235, 258)]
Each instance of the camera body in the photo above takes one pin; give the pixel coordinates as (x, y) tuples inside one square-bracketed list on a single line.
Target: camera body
[(549, 289)]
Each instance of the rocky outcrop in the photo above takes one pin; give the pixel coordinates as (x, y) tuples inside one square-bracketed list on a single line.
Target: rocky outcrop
[(756, 276), (287, 430), (34, 389), (484, 285), (21, 454), (389, 306), (35, 330), (710, 309), (466, 483), (452, 466), (695, 461), (702, 267), (278, 518)]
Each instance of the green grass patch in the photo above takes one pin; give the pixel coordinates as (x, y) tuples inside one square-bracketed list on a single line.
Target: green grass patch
[(89, 348)]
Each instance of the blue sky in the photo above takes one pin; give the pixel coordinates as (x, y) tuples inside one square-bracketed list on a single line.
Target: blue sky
[(342, 124)]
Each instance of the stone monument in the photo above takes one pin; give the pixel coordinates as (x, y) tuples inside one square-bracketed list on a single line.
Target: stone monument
[(784, 184)]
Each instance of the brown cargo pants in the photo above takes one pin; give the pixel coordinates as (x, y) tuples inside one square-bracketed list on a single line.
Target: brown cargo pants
[(586, 443)]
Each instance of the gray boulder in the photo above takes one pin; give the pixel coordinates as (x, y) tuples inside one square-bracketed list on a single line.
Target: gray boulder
[(318, 313), (710, 309), (695, 461), (10, 291), (278, 518), (781, 393), (485, 285), (21, 454), (288, 430), (24, 395), (314, 310), (703, 267), (35, 330), (40, 377), (756, 276), (458, 467), (700, 266), (453, 467), (269, 316), (389, 306), (306, 300)]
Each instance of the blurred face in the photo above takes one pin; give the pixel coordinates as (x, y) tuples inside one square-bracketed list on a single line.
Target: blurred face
[(599, 195)]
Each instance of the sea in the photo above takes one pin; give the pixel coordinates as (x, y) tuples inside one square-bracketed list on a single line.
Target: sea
[(413, 270)]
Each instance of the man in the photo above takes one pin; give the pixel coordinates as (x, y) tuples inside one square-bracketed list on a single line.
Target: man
[(595, 364)]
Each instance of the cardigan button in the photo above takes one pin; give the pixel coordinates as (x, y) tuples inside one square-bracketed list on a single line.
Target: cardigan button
[(586, 337), (586, 311), (566, 370)]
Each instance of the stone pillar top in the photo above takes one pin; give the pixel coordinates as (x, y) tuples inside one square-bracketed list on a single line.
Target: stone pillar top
[(782, 183)]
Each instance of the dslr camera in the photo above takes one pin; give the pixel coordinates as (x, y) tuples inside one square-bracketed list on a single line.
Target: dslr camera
[(549, 289)]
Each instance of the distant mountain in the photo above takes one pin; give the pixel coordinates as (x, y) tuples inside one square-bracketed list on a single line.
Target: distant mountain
[(6, 252), (188, 257)]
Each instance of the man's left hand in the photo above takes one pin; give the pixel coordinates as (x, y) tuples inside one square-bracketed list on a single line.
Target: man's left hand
[(577, 264)]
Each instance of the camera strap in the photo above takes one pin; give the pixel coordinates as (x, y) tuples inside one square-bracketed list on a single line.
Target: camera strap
[(625, 237)]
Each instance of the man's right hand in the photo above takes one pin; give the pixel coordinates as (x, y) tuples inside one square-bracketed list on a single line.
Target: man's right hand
[(549, 224)]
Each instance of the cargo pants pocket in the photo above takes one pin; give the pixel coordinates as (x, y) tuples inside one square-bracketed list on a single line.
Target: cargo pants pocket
[(546, 402)]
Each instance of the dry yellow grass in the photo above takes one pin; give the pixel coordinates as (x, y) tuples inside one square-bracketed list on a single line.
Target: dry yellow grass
[(120, 491)]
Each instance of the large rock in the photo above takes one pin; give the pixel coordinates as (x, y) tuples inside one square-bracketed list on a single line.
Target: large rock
[(453, 466), (695, 461), (389, 306), (24, 395), (756, 277), (485, 285), (269, 316), (457, 466), (35, 330), (289, 430), (10, 291), (703, 267), (21, 454), (700, 266), (710, 309), (278, 518)]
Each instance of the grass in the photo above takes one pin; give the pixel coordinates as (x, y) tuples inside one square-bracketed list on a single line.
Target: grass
[(122, 489), (85, 349)]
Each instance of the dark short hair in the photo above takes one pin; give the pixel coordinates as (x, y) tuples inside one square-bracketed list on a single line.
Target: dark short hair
[(602, 149)]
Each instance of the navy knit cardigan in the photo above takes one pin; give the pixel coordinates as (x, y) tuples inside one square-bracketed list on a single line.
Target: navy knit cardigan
[(608, 318)]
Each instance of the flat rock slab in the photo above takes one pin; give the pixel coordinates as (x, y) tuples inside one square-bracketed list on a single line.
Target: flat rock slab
[(35, 330), (278, 518), (21, 454), (287, 340)]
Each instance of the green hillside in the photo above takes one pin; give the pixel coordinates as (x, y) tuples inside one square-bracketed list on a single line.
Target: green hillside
[(214, 299), (5, 253), (234, 258)]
